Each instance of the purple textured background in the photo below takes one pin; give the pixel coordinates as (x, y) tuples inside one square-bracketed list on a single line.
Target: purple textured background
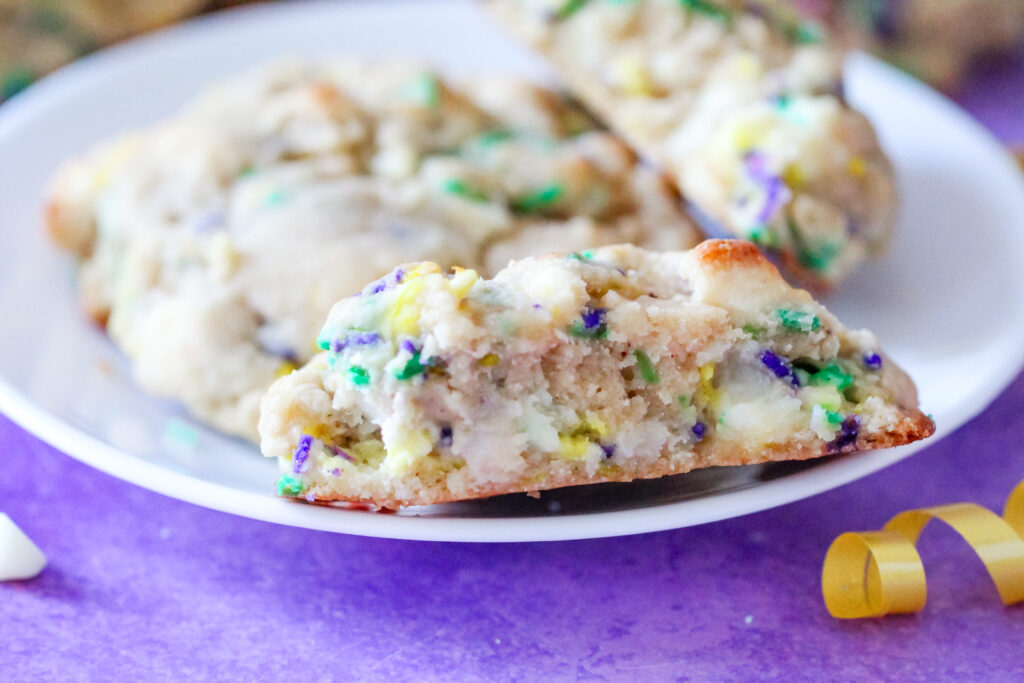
[(147, 587)]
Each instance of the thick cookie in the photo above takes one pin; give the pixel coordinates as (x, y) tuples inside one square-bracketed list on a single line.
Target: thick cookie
[(741, 102), (607, 365), (214, 244)]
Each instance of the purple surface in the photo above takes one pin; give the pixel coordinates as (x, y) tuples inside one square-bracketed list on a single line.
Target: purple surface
[(144, 586)]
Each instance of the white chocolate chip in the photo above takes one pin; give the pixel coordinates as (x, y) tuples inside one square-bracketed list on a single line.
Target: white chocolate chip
[(20, 558)]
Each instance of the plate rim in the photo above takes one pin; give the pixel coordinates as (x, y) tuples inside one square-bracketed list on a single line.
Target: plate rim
[(76, 443)]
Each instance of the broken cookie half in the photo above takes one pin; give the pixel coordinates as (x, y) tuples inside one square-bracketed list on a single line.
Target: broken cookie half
[(608, 365), (741, 102)]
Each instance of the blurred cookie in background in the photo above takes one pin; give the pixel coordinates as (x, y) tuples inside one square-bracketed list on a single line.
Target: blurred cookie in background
[(37, 36), (936, 41)]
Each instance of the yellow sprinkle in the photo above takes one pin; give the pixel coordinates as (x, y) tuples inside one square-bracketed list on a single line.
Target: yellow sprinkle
[(285, 368), (370, 451), (747, 66), (317, 432), (573, 447), (744, 137), (706, 390), (113, 161), (421, 269), (224, 259), (595, 424), (630, 73), (489, 360), (857, 166), (827, 397), (405, 312), (463, 281), (794, 176), (406, 450)]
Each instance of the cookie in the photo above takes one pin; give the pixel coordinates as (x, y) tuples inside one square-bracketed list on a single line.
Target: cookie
[(37, 36), (607, 365), (741, 102), (213, 245), (936, 41)]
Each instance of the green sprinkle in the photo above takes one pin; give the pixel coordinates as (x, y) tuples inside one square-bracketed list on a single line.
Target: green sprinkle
[(461, 189), (287, 485), (275, 198), (495, 137), (684, 400), (835, 419), (569, 8), (819, 260), (764, 236), (834, 375), (359, 375), (538, 200), (815, 259), (579, 330), (753, 331), (577, 257), (798, 321), (708, 9), (806, 33), (647, 369), (14, 82), (179, 432), (425, 91), (412, 368), (588, 254), (323, 343)]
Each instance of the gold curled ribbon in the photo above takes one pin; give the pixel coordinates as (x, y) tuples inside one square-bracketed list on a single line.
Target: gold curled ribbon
[(875, 573)]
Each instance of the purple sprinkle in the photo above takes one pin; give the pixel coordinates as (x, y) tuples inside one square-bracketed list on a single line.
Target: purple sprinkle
[(888, 20), (399, 275), (538, 306), (208, 221), (339, 345), (341, 454), (773, 186), (302, 453), (756, 163), (336, 472), (774, 192), (608, 449), (699, 430), (593, 317), (378, 287), (781, 368), (408, 346), (446, 436), (775, 364), (873, 361), (848, 433), (283, 352)]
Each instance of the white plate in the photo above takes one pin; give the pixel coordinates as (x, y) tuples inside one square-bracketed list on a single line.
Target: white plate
[(946, 302)]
